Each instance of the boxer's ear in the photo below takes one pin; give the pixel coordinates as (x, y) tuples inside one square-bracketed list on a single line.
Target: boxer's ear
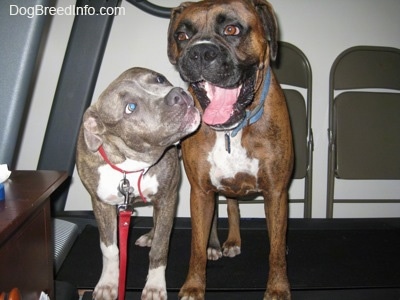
[(268, 18), (93, 128), (172, 46)]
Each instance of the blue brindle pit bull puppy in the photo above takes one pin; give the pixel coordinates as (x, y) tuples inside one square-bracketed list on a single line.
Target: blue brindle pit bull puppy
[(222, 48), (135, 123)]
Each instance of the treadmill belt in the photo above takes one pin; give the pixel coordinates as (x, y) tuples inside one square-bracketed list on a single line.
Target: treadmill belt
[(357, 294), (320, 257)]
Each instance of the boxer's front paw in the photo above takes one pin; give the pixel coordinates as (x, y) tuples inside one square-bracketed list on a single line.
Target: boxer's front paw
[(191, 294), (146, 239), (278, 289), (214, 253), (193, 289), (277, 295), (155, 288)]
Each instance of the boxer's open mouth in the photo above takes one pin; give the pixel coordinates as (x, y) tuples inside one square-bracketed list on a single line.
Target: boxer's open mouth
[(224, 108)]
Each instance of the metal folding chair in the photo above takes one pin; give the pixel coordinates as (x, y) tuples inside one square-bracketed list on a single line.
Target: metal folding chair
[(364, 119), (293, 71)]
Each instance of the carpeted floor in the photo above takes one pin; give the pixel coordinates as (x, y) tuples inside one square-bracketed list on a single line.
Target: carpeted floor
[(345, 255)]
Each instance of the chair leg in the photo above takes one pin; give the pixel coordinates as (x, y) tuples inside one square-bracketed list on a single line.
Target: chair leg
[(331, 181)]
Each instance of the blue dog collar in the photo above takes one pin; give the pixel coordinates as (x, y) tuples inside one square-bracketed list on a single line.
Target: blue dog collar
[(255, 115)]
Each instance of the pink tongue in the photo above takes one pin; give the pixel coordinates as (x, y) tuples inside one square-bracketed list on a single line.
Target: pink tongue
[(222, 100)]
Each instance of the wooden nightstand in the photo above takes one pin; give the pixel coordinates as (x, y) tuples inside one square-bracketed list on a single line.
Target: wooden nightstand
[(26, 248)]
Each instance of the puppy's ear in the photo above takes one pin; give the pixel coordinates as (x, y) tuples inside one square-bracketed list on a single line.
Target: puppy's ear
[(172, 46), (268, 19), (93, 128)]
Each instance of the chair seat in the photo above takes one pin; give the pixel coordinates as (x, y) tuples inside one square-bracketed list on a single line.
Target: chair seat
[(366, 124)]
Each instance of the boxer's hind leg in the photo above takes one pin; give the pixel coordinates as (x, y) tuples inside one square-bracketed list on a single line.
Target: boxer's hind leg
[(214, 251), (232, 245)]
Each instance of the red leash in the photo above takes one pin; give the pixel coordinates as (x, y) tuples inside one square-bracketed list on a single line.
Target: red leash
[(124, 214), (123, 231)]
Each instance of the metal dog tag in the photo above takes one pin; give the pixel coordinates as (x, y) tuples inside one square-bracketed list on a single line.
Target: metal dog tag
[(227, 143)]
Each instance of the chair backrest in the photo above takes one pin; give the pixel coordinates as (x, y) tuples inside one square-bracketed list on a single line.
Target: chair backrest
[(293, 70), (364, 117)]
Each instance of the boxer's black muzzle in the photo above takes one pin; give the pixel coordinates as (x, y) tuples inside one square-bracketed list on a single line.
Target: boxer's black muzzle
[(223, 86)]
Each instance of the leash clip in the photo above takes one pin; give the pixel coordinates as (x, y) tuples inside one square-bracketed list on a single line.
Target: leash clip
[(125, 207), (126, 191)]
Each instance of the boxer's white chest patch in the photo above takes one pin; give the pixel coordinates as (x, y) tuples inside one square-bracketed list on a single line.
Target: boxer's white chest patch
[(227, 165), (107, 189)]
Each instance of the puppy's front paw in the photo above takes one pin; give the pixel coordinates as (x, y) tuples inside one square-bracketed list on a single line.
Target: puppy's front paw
[(155, 288), (105, 291), (153, 293), (107, 287)]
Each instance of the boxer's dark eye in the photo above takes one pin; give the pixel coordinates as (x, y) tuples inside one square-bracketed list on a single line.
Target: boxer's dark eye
[(130, 107), (182, 36), (231, 30)]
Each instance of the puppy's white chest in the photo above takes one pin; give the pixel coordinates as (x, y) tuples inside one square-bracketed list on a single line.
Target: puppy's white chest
[(110, 179), (227, 165)]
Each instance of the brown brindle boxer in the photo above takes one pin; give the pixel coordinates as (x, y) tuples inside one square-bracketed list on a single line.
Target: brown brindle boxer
[(244, 145)]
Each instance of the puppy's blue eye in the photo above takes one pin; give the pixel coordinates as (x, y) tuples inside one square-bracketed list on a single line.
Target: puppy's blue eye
[(130, 107), (161, 79)]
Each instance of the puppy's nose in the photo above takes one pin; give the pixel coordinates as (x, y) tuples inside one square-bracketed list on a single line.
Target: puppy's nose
[(205, 53), (178, 96)]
